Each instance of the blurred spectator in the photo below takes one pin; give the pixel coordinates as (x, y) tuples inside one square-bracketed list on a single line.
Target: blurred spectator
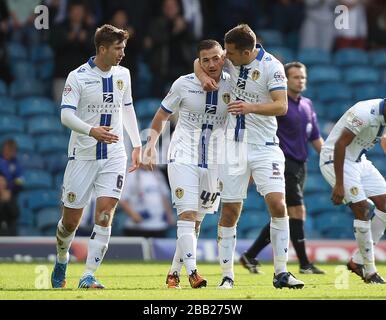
[(57, 10), (170, 47), (22, 14), (318, 29), (377, 24), (4, 63), (10, 166), (356, 34), (145, 199), (288, 16), (9, 211), (193, 16), (120, 20), (72, 43)]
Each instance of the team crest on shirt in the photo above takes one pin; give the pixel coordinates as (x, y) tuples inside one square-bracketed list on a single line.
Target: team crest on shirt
[(179, 193), (255, 75), (354, 191), (120, 84), (67, 89), (226, 97), (71, 196)]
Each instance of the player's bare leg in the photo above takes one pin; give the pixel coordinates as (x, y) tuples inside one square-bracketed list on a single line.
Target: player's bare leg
[(363, 235), (226, 240), (173, 277), (65, 234), (279, 234), (99, 240)]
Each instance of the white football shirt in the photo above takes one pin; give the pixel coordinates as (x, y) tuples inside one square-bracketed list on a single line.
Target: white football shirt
[(199, 135), (97, 98), (365, 119), (253, 83)]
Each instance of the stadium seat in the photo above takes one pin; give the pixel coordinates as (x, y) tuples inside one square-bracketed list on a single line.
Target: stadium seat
[(328, 219), (36, 179), (40, 199), (11, 124), (313, 164), (41, 53), (270, 37), (16, 51), (283, 54), (45, 70), (3, 88), (251, 220), (350, 57), (146, 108), (23, 70), (338, 233), (367, 92), (334, 91), (48, 144), (44, 125), (311, 56), (378, 58), (47, 218), (36, 106), (322, 74), (24, 142), (336, 109), (315, 183), (56, 162), (25, 87), (7, 105), (318, 202), (361, 75), (31, 160), (58, 181)]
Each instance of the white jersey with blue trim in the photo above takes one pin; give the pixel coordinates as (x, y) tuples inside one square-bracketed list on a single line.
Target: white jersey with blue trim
[(199, 135), (97, 98), (364, 119), (253, 83)]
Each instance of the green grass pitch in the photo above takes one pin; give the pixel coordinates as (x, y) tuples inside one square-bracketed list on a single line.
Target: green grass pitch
[(146, 281)]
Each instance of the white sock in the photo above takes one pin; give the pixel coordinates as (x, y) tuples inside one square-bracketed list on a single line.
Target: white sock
[(279, 232), (97, 247), (226, 242), (378, 225), (177, 262), (63, 242), (187, 243), (362, 233)]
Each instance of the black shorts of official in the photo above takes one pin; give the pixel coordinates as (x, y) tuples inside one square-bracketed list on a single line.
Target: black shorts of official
[(295, 176)]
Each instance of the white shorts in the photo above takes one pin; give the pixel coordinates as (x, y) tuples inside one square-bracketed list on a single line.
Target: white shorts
[(265, 163), (361, 180), (194, 188), (105, 177)]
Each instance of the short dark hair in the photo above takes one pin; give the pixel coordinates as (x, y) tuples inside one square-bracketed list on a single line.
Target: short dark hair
[(207, 45), (242, 37), (107, 34), (10, 143), (295, 64)]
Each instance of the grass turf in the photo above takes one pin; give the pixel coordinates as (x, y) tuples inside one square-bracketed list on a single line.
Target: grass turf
[(146, 281)]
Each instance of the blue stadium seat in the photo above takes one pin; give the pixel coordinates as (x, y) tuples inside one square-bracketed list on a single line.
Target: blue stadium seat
[(351, 57), (325, 126), (361, 75), (31, 160), (24, 142), (44, 125), (318, 202), (25, 87), (56, 162), (329, 219), (23, 70), (336, 109), (42, 53), (47, 218), (367, 92), (26, 217), (283, 54), (311, 56), (379, 162), (7, 105), (11, 124), (321, 74), (36, 106), (339, 233), (58, 181), (45, 70), (40, 199), (3, 88), (270, 37), (34, 179), (53, 143), (316, 183), (378, 58), (16, 51), (334, 91), (313, 164), (146, 108), (251, 220)]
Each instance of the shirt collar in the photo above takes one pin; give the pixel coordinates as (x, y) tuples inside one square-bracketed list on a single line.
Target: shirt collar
[(91, 62), (260, 55)]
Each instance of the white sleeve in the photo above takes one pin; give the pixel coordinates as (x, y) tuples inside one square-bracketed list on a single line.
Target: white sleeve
[(70, 120), (127, 96), (276, 76), (71, 93), (173, 99), (357, 120), (130, 124)]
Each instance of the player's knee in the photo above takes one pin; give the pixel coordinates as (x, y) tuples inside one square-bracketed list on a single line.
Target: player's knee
[(361, 210), (230, 214), (278, 209), (104, 218), (187, 216), (70, 226)]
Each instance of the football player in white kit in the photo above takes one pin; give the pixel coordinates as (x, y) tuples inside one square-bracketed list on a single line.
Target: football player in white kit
[(96, 105), (259, 93), (194, 152), (354, 179)]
